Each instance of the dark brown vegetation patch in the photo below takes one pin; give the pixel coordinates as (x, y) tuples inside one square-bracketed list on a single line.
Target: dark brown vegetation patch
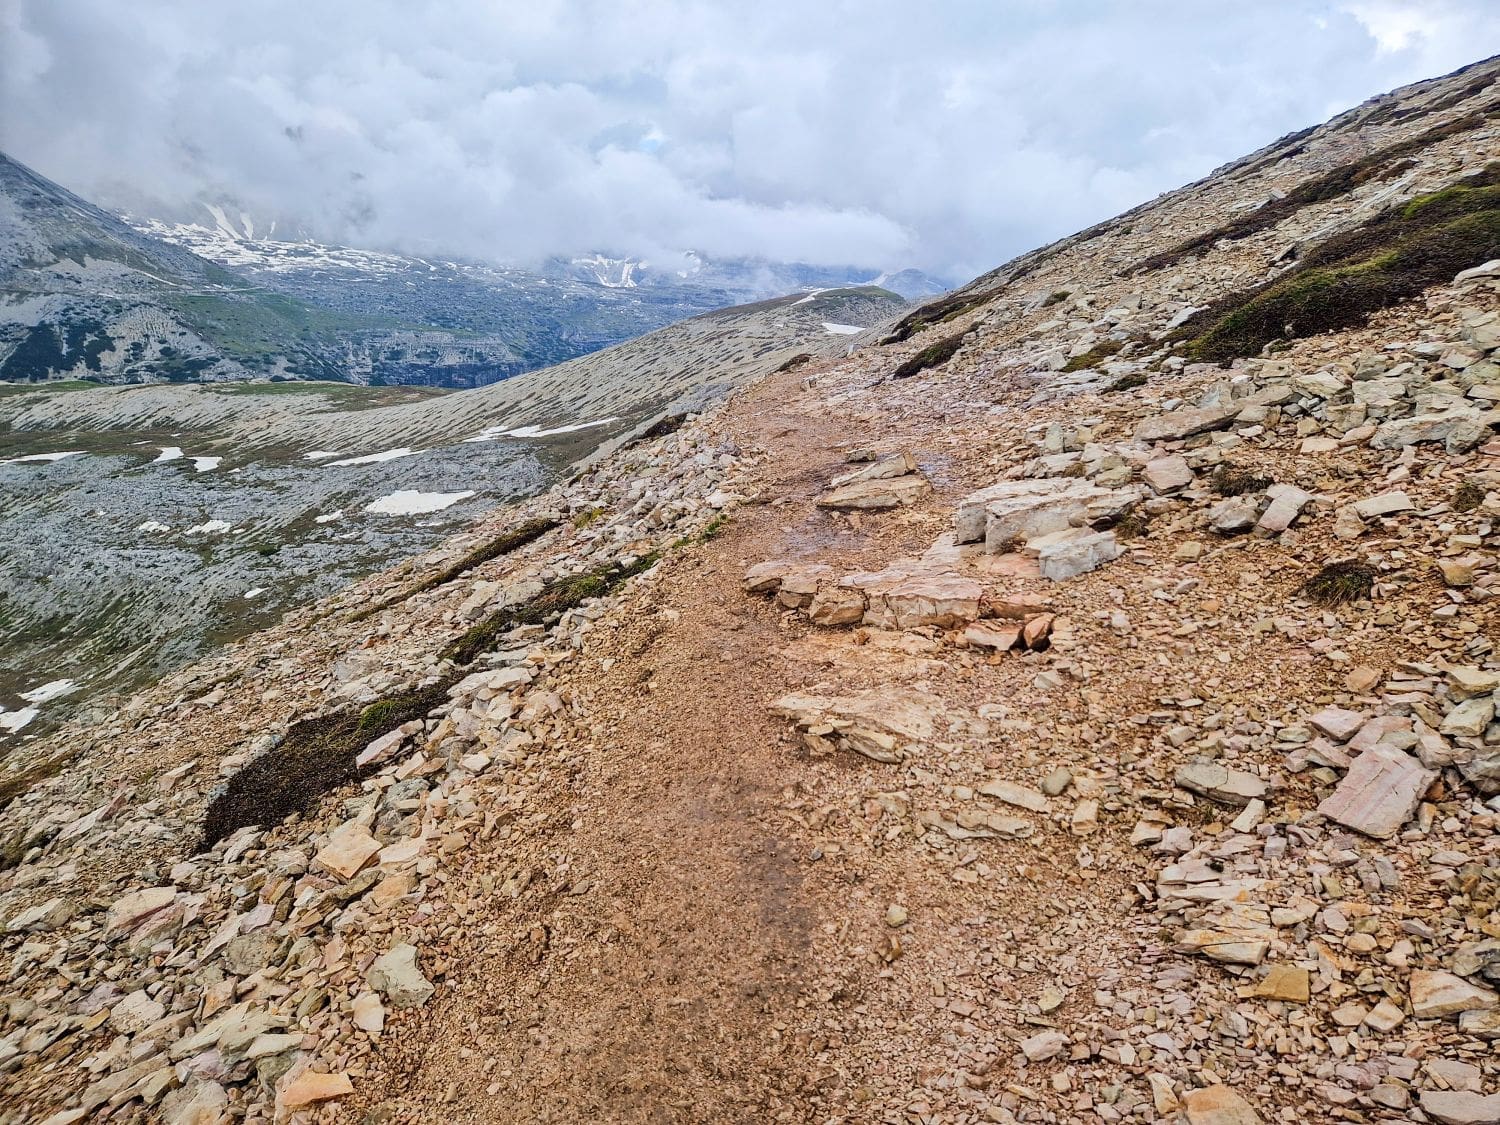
[(1339, 583), (935, 312), (512, 539), (1340, 282), (1227, 480), (316, 756), (930, 356), (559, 596)]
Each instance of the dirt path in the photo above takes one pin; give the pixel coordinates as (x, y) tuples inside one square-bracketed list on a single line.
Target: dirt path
[(648, 984)]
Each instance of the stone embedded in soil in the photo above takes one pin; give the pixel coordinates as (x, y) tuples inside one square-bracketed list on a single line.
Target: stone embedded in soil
[(1283, 982), (876, 495), (1184, 423), (1461, 1107)]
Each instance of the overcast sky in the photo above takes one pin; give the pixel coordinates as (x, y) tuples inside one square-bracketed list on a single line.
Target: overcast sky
[(948, 135)]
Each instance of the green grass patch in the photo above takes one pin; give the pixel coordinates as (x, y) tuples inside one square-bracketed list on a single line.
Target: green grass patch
[(1340, 282), (559, 596), (931, 356), (1101, 352), (316, 757), (1056, 298)]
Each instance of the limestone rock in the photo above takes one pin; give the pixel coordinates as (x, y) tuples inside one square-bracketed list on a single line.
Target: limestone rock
[(876, 495), (1437, 993), (395, 974), (875, 724), (1061, 561), (350, 846), (1379, 793), (1186, 422), (1461, 1107), (310, 1087), (1218, 1105), (1168, 474), (1220, 783)]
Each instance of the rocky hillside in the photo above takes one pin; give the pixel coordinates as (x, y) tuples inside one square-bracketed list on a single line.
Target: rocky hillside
[(1079, 707), (148, 524)]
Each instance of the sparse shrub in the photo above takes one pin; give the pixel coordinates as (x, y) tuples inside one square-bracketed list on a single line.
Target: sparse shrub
[(1132, 525), (1340, 282), (1228, 480), (1103, 350), (586, 517), (556, 598), (1341, 582), (799, 360), (930, 356), (1466, 497), (1127, 382), (1056, 298)]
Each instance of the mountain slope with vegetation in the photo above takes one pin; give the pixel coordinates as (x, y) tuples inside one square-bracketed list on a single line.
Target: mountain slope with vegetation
[(1077, 705)]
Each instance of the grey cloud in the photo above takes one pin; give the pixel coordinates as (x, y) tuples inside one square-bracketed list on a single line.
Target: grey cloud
[(948, 136)]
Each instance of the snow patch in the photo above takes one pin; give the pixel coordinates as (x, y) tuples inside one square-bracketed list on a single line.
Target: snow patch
[(212, 527), (329, 517), (251, 595), (12, 721), (40, 457), (410, 502), (168, 453), (50, 690), (318, 455), (153, 525), (494, 432), (375, 458), (206, 464), (842, 329)]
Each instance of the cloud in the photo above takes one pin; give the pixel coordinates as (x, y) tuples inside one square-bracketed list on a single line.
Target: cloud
[(862, 132)]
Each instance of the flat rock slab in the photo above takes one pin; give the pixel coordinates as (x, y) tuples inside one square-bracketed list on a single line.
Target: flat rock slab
[(876, 495), (1379, 793), (878, 725), (1177, 424), (894, 465), (1461, 1107), (310, 1087), (1218, 1105), (1386, 504), (1436, 993), (349, 848), (1219, 783)]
